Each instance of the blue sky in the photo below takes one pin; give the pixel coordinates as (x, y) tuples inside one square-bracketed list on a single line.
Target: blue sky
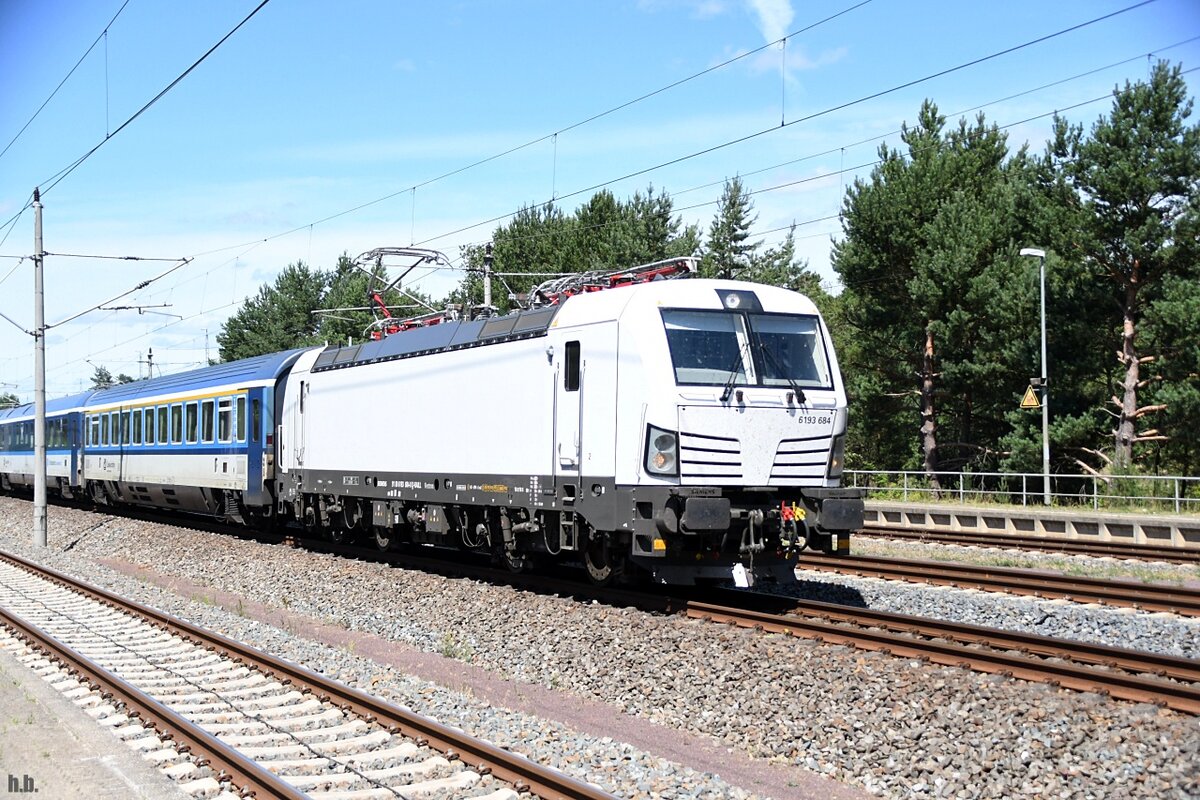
[(283, 145)]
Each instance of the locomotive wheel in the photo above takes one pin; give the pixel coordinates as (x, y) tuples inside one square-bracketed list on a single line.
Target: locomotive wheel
[(383, 538), (602, 568), (515, 562)]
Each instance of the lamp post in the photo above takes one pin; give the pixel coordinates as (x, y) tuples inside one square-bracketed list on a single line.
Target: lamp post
[(1045, 378)]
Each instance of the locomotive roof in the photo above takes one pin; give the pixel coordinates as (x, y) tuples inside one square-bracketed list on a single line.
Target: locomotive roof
[(234, 373), (578, 309), (453, 335)]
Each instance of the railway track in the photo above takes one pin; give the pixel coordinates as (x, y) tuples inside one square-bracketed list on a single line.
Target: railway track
[(1143, 552), (1144, 596), (1121, 673), (1118, 672), (1082, 666), (251, 722)]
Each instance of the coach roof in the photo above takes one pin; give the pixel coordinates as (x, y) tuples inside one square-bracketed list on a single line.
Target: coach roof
[(235, 373)]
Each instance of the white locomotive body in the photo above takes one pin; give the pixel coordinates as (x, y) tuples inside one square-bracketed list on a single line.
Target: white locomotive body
[(691, 429)]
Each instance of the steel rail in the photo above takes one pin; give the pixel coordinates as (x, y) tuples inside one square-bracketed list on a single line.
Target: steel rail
[(1127, 659), (1180, 696), (523, 774), (246, 774), (1053, 544), (1145, 596)]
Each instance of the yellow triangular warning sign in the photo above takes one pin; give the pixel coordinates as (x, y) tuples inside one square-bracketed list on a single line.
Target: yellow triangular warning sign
[(1030, 400)]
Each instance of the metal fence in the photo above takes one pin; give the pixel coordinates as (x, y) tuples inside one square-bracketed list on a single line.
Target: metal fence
[(1157, 493)]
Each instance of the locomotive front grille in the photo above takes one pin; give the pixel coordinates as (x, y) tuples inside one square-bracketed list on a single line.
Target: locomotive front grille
[(702, 456), (801, 458)]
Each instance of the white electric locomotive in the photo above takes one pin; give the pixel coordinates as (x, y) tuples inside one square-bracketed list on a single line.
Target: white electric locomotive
[(684, 430), (687, 429)]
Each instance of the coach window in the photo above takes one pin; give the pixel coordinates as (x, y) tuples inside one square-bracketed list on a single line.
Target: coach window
[(137, 426), (105, 419), (241, 418), (164, 416), (224, 419), (148, 427), (255, 420), (206, 421), (191, 422), (571, 372), (93, 430), (176, 424), (126, 428)]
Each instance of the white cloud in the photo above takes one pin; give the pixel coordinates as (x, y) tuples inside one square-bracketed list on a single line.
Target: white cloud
[(774, 17)]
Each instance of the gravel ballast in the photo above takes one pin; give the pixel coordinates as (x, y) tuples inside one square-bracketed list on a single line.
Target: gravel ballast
[(894, 727)]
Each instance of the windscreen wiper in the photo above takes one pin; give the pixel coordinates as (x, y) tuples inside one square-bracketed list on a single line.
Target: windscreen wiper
[(783, 373), (733, 374)]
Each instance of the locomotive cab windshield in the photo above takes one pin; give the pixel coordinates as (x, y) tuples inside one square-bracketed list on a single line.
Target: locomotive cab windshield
[(748, 348)]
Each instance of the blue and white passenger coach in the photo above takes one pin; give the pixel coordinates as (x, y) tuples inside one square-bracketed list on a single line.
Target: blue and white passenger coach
[(63, 467), (200, 441)]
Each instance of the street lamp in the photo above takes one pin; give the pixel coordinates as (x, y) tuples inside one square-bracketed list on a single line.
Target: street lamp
[(1045, 378)]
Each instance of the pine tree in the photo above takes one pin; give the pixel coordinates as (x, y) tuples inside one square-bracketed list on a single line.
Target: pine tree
[(727, 252), (933, 293), (279, 317), (1135, 180)]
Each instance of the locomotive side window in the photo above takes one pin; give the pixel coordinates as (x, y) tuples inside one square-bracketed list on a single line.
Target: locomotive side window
[(224, 419), (241, 418), (206, 421), (571, 368), (164, 415), (191, 423)]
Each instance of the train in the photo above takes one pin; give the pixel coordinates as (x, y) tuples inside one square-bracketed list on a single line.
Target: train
[(638, 426)]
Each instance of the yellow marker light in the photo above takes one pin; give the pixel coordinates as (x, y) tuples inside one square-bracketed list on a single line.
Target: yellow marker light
[(659, 544)]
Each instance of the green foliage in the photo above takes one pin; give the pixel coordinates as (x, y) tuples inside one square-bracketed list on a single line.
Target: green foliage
[(278, 318), (729, 251), (1136, 229), (102, 378), (940, 316), (602, 234), (8, 400), (935, 296)]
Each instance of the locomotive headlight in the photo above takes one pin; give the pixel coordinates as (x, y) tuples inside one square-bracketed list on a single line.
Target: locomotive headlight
[(662, 452), (837, 456)]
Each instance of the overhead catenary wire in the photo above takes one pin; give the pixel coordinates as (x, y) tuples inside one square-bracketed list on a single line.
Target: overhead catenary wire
[(806, 118), (792, 122), (86, 53), (58, 177)]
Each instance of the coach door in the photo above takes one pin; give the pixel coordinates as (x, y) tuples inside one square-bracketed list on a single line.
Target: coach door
[(568, 405)]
